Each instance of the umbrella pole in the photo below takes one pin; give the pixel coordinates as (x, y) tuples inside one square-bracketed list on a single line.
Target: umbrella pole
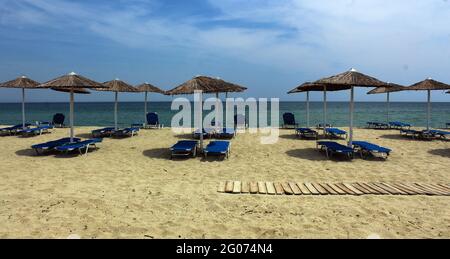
[(307, 109), (429, 110), (352, 97), (71, 114), (388, 107), (325, 111), (115, 110), (23, 108), (145, 107)]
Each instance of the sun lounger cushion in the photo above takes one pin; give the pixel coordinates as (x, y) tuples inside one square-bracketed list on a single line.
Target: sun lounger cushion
[(127, 132), (335, 148), (36, 130), (306, 132), (52, 144), (227, 133), (397, 124), (86, 144), (105, 132), (152, 120), (289, 120), (366, 147), (184, 148), (335, 132), (217, 148)]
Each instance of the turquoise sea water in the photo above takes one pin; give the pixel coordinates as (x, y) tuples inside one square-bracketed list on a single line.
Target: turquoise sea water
[(101, 114)]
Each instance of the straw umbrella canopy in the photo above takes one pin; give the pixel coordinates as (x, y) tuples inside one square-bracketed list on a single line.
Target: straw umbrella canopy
[(428, 85), (76, 91), (73, 83), (24, 83), (117, 86), (313, 87), (351, 79), (148, 88), (204, 84), (387, 91)]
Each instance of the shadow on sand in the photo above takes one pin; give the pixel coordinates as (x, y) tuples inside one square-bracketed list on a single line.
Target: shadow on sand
[(158, 153), (445, 152), (26, 152)]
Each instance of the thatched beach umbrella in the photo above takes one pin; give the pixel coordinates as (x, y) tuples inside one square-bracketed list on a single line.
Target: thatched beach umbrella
[(148, 88), (24, 83), (204, 84), (351, 79), (387, 91), (428, 85), (73, 83), (117, 86), (312, 87)]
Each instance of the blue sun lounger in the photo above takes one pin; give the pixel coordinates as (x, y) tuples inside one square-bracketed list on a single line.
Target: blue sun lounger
[(14, 129), (417, 134), (377, 125), (335, 132), (102, 133), (399, 125), (184, 148), (365, 148), (207, 133), (320, 126), (127, 132), (152, 121), (440, 134), (289, 121), (227, 133), (51, 145), (39, 130), (81, 146), (306, 133), (217, 148), (332, 148)]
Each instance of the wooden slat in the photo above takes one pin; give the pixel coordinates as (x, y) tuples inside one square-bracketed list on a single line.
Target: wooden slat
[(262, 188), (447, 188), (303, 189), (278, 188), (237, 187), (429, 190), (412, 188), (311, 188), (388, 189), (345, 189), (367, 187), (245, 188), (361, 189), (408, 191), (433, 189), (337, 189), (320, 189), (253, 187), (378, 189), (295, 188), (353, 189), (401, 192), (221, 187), (287, 189), (425, 190), (438, 187), (229, 187), (270, 188), (328, 189)]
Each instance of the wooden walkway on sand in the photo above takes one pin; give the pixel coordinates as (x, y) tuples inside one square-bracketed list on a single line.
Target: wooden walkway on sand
[(355, 189)]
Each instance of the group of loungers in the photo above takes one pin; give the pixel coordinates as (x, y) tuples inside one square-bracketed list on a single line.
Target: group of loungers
[(189, 148), (222, 133), (112, 132), (425, 134), (65, 145), (27, 131), (365, 149)]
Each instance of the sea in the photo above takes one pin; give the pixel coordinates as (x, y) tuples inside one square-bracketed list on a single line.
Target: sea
[(102, 113)]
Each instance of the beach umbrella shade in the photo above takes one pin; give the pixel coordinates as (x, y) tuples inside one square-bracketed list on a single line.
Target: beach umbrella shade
[(24, 83), (148, 88), (71, 83), (209, 85), (428, 85), (351, 79), (117, 86), (387, 91), (312, 87)]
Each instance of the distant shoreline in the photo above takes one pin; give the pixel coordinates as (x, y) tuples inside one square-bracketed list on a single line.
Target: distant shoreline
[(300, 101)]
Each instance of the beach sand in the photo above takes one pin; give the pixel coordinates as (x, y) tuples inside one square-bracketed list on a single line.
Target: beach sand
[(130, 188)]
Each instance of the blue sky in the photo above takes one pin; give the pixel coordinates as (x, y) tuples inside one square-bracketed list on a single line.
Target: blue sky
[(270, 46)]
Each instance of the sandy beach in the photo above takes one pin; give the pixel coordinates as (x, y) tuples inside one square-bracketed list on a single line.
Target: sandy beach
[(130, 188)]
